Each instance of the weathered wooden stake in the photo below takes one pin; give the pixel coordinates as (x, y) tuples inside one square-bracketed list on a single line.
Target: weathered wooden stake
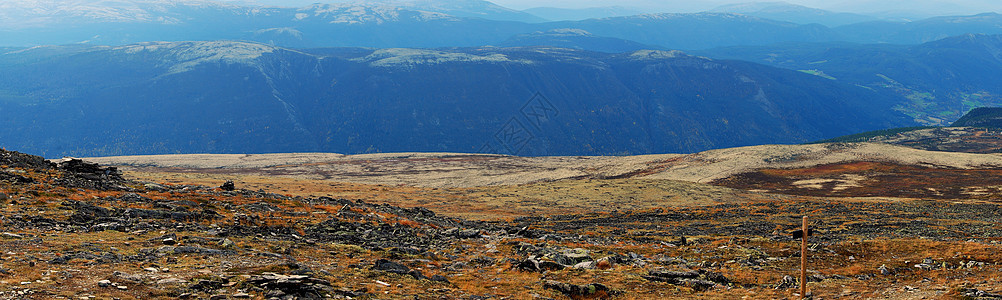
[(803, 261)]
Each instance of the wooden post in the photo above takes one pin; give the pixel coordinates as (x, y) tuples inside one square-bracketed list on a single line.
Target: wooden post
[(803, 261)]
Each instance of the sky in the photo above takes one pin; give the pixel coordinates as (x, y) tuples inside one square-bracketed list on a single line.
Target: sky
[(919, 7), (860, 6)]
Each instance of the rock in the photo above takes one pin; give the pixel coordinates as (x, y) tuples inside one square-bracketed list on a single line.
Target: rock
[(3, 197), (228, 186), (468, 234), (154, 187), (528, 264), (390, 266), (551, 266), (787, 282), (227, 244), (884, 270), (577, 255), (673, 277), (585, 265), (127, 277), (715, 277), (297, 286), (696, 284), (594, 290), (241, 295), (169, 241), (171, 280), (122, 287), (12, 235), (979, 294), (104, 283), (439, 278)]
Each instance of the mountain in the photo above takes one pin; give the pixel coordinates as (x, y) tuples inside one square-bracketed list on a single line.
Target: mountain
[(240, 97), (459, 8), (922, 31), (700, 30), (576, 14), (31, 23), (783, 11), (575, 39), (358, 25), (467, 9), (941, 80)]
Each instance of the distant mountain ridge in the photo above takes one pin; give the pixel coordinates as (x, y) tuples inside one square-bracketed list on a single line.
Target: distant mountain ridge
[(241, 97), (422, 24), (783, 11)]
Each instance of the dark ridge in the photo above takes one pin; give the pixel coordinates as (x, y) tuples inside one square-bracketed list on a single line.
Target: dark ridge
[(982, 117)]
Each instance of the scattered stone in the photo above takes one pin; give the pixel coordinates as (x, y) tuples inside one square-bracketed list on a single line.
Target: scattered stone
[(12, 235), (241, 295), (979, 294), (301, 286)]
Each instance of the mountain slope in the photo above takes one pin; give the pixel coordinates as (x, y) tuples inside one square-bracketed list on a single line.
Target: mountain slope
[(941, 80), (235, 97)]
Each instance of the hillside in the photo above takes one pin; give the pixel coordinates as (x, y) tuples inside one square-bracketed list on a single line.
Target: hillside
[(941, 80), (239, 97)]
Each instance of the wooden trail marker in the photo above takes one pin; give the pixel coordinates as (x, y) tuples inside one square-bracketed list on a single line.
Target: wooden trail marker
[(803, 261)]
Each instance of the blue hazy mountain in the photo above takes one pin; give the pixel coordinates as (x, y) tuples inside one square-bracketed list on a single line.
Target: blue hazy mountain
[(921, 31), (575, 39), (577, 14), (382, 25), (242, 97), (941, 79), (783, 11)]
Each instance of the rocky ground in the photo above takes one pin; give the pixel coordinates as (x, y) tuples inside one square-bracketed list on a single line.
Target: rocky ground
[(78, 230)]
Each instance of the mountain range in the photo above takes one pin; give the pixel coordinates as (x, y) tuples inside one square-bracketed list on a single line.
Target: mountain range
[(241, 97), (423, 24)]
